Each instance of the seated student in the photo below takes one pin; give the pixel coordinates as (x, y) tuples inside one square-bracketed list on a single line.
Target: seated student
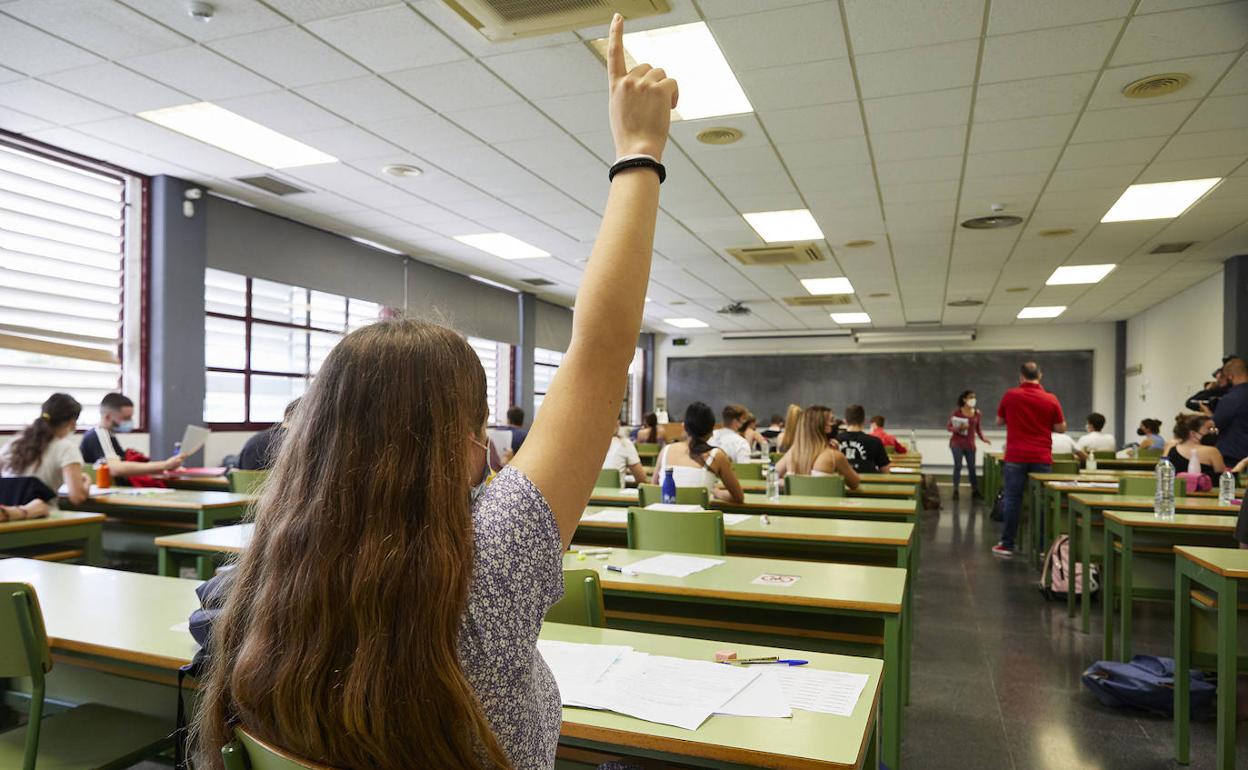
[(1150, 429), (117, 416), (1190, 431), (1094, 440), (695, 463), (728, 438), (785, 439), (515, 425), (865, 452), (1206, 400), (774, 429), (261, 449), (649, 431), (622, 456), (46, 451), (887, 439), (1063, 444), (749, 432), (810, 454), (429, 657)]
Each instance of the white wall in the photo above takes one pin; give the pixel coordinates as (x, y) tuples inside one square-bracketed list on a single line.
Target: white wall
[(219, 444), (1175, 361)]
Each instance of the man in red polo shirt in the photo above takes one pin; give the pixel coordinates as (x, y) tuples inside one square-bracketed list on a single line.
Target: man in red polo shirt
[(1030, 415)]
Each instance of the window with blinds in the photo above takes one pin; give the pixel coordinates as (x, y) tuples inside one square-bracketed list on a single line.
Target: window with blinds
[(545, 364), (496, 360), (69, 320)]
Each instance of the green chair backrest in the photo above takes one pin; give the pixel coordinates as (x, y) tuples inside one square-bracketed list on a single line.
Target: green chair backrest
[(24, 652), (1146, 487), (777, 456), (581, 604), (247, 753), (1063, 456), (647, 449), (609, 477), (1063, 466), (681, 531), (650, 494), (246, 482), (818, 486), (748, 471), (1148, 453), (1105, 455)]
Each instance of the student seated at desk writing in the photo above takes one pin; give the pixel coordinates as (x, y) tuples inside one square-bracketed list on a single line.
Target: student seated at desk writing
[(866, 453), (729, 438), (1095, 440), (45, 450), (1150, 430), (887, 439), (1189, 433), (749, 431), (117, 416), (695, 463), (386, 618), (648, 433), (785, 440), (622, 456), (810, 454), (1063, 444)]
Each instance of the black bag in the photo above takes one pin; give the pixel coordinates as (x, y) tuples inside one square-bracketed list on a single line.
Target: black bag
[(19, 490), (212, 595), (1146, 683), (998, 508)]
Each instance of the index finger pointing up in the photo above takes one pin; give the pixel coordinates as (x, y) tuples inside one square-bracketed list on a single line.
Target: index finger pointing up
[(616, 68)]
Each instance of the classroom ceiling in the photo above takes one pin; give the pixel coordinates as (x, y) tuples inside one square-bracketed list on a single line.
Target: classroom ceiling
[(891, 120)]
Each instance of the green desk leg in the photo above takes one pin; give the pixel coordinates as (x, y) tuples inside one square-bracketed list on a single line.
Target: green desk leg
[(1182, 661), (1228, 663), (894, 660), (1070, 559), (1085, 554), (1107, 596), (1128, 592), (905, 560), (166, 564)]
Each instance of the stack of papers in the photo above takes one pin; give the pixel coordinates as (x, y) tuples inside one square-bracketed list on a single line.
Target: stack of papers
[(671, 565), (674, 507), (616, 515), (734, 518), (1097, 484), (95, 491)]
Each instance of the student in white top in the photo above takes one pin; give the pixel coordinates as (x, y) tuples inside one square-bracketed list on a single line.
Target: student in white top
[(622, 456), (749, 431), (117, 416), (695, 463), (728, 438), (1094, 440), (46, 450), (811, 453), (1063, 444)]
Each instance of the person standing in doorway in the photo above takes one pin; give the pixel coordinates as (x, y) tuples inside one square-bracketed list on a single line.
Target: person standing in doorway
[(964, 425), (1031, 415)]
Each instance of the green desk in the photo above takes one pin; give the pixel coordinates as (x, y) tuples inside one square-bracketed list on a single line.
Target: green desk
[(900, 477), (1047, 494), (1128, 464), (79, 531), (832, 607), (1086, 509), (180, 509), (197, 483), (119, 638), (1221, 570), (1140, 535), (875, 509), (205, 546), (875, 489), (991, 479)]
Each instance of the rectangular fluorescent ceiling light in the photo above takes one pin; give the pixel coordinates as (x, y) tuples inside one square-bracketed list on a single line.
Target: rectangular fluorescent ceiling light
[(686, 323), (231, 132), (781, 226), (1162, 200), (824, 286), (502, 245), (845, 319), (1042, 311), (1075, 274), (688, 53)]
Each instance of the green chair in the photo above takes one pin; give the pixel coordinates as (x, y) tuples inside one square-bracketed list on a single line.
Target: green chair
[(247, 753), (581, 604), (1063, 466), (748, 471), (776, 456), (1105, 455), (1140, 486), (652, 494), (649, 450), (1146, 454), (88, 736), (246, 482), (609, 477), (681, 531), (815, 486)]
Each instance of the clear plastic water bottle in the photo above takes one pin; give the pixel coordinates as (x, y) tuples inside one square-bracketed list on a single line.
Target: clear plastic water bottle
[(669, 487), (1092, 460), (773, 484), (1226, 488), (914, 440), (1163, 498)]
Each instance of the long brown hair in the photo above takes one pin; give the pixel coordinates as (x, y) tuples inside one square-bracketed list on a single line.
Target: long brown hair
[(338, 641), (809, 439), (791, 418), (27, 449)]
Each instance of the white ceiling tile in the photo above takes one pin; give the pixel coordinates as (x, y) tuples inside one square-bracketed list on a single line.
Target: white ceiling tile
[(334, 177), (1205, 144), (117, 87), (1191, 32), (139, 135), (782, 36), (7, 75), (1113, 153), (1022, 15), (51, 103), (915, 111), (1093, 178), (458, 86), (1047, 52), (916, 70), (581, 113), (685, 133), (732, 161), (1203, 168), (823, 122), (925, 143), (1204, 71), (799, 85), (423, 133), (505, 122), (1235, 81), (283, 111), (388, 39), (232, 17), (1131, 122), (364, 100), (74, 141), (718, 9), (1055, 95), (202, 73), (545, 73), (311, 10), (887, 25), (849, 149), (33, 52), (1219, 113), (1021, 134), (20, 122), (290, 56), (349, 143), (920, 192), (842, 185), (919, 170), (108, 29)]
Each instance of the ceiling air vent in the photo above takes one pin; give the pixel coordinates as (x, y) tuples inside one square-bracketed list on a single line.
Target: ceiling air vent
[(784, 254), (923, 323), (270, 184), (537, 282), (819, 300), (1172, 248), (500, 20), (1156, 85), (719, 135), (966, 303), (734, 308)]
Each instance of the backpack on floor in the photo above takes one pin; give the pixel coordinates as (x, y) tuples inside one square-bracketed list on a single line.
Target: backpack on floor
[(1147, 682), (1054, 581), (931, 494), (998, 508)]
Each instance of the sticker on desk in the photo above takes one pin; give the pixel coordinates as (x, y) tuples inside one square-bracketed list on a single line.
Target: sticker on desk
[(772, 579)]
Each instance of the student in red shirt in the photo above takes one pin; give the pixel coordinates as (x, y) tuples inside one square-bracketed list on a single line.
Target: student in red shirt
[(890, 441), (1030, 414)]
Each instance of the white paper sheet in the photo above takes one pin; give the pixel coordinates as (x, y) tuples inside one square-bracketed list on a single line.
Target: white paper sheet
[(672, 691), (830, 692), (672, 565), (193, 439), (761, 698), (631, 492), (1097, 484), (735, 518), (578, 667), (673, 507), (895, 469), (616, 515)]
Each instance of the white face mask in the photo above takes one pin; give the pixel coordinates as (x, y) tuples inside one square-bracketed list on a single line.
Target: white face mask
[(487, 474), (970, 402)]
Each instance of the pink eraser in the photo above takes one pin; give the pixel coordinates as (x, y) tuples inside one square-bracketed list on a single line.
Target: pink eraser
[(722, 655)]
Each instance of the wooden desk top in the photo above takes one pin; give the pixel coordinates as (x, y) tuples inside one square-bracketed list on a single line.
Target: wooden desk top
[(760, 503), (822, 585), (1115, 472), (229, 539), (614, 495), (787, 528), (54, 519), (912, 479), (178, 499), (1092, 485), (866, 489), (1146, 520), (1145, 502), (1080, 476), (1229, 562)]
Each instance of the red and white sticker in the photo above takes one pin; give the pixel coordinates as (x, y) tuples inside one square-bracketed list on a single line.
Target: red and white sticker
[(772, 579)]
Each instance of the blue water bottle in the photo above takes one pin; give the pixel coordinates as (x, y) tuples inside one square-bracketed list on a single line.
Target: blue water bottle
[(669, 487)]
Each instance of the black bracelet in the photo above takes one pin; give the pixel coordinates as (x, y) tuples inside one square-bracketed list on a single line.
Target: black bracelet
[(642, 161)]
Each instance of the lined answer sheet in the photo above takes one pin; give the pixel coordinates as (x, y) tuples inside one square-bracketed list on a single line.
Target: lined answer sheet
[(612, 515), (830, 692), (735, 518), (764, 697), (578, 667), (671, 691), (672, 565)]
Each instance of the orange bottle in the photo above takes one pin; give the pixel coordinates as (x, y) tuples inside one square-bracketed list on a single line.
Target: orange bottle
[(103, 476)]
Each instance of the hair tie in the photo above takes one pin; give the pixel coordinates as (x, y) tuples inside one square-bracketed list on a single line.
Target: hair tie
[(46, 416)]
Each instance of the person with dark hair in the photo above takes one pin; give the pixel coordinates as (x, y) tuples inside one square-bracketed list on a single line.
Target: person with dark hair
[(649, 432), (261, 449), (1150, 431), (887, 439), (695, 463), (1231, 416), (810, 454), (728, 438), (964, 425), (866, 453), (1031, 415), (1189, 429), (117, 416), (45, 451), (515, 426), (749, 431), (774, 429), (1095, 440), (1206, 400)]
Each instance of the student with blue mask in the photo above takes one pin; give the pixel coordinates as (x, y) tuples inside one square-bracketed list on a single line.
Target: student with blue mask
[(117, 416)]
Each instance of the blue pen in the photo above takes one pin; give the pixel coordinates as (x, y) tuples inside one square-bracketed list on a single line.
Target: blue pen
[(766, 662)]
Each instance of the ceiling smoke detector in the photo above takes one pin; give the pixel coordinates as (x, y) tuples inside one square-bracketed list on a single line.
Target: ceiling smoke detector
[(734, 308), (1156, 85), (719, 135), (200, 11), (401, 170)]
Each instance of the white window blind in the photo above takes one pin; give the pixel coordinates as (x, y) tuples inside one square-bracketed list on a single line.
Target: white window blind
[(496, 360), (63, 259), (545, 364)]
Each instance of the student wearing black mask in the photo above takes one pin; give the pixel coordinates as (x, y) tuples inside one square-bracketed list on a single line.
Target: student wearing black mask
[(1206, 401)]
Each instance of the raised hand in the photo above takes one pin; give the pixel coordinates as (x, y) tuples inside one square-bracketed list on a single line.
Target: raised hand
[(641, 100)]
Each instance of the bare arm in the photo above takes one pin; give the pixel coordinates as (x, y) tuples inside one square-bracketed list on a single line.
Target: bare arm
[(1059, 427), (1214, 458), (587, 391), (782, 467), (75, 483), (639, 473), (123, 468), (845, 469), (722, 467)]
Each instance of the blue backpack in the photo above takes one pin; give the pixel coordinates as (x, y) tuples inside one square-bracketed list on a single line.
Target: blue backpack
[(1147, 682)]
